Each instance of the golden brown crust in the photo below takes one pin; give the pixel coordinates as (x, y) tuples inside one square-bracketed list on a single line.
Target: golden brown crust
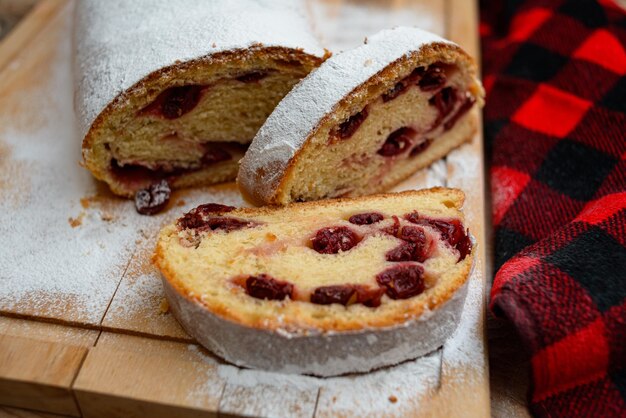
[(408, 309), (162, 76)]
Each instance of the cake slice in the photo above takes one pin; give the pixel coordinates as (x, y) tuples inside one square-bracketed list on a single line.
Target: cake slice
[(175, 90), (365, 120), (321, 288)]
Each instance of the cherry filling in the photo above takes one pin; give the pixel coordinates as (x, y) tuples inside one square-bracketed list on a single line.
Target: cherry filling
[(341, 294), (153, 199), (366, 218), (348, 128), (444, 101), (334, 239), (196, 217), (347, 295), (463, 109), (264, 286), (398, 142), (133, 174), (414, 248), (395, 91), (402, 282), (174, 102), (421, 147), (252, 77), (433, 79), (451, 231)]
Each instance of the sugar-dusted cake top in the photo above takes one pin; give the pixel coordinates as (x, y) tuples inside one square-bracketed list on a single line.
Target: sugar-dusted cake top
[(119, 42)]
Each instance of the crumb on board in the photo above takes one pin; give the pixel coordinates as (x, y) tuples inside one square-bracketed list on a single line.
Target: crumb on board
[(164, 307), (393, 399), (84, 202), (106, 216), (180, 203), (77, 221)]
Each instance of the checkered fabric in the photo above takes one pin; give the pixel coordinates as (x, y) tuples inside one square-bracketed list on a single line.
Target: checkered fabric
[(555, 126)]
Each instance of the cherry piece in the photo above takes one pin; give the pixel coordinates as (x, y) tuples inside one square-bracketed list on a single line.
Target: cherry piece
[(433, 78), (463, 109), (395, 91), (444, 101), (252, 77), (451, 231), (348, 128), (153, 199), (266, 287), (215, 155), (415, 247), (176, 101), (368, 296), (397, 142), (403, 252), (334, 239), (394, 228), (402, 282), (464, 246), (366, 218), (201, 218), (326, 295), (421, 147)]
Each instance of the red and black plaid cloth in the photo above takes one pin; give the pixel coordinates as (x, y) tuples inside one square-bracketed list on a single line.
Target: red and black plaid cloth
[(555, 126)]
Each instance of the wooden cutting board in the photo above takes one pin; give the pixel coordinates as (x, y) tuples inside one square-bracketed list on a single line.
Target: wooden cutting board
[(82, 325)]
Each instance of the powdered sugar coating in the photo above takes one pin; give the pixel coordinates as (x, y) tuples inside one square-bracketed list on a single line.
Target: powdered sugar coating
[(317, 95), (119, 42)]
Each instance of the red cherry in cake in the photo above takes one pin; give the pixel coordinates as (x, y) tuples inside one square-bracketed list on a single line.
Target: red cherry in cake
[(348, 128), (421, 147), (366, 218), (214, 155), (433, 79), (414, 248), (368, 296), (326, 295), (444, 101), (264, 286), (464, 246), (463, 109), (252, 77), (153, 199), (398, 142), (176, 101), (451, 231), (202, 219), (402, 282), (399, 88), (334, 239), (347, 295)]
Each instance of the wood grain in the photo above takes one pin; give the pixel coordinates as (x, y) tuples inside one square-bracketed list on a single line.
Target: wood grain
[(38, 363), (133, 377), (43, 12)]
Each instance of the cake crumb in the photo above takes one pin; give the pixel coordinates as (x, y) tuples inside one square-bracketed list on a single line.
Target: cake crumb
[(368, 62), (164, 307), (106, 216), (84, 202), (180, 203), (78, 221), (393, 399)]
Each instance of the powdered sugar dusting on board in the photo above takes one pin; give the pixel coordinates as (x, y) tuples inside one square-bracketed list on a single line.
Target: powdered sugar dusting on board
[(119, 42), (301, 111), (392, 391)]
